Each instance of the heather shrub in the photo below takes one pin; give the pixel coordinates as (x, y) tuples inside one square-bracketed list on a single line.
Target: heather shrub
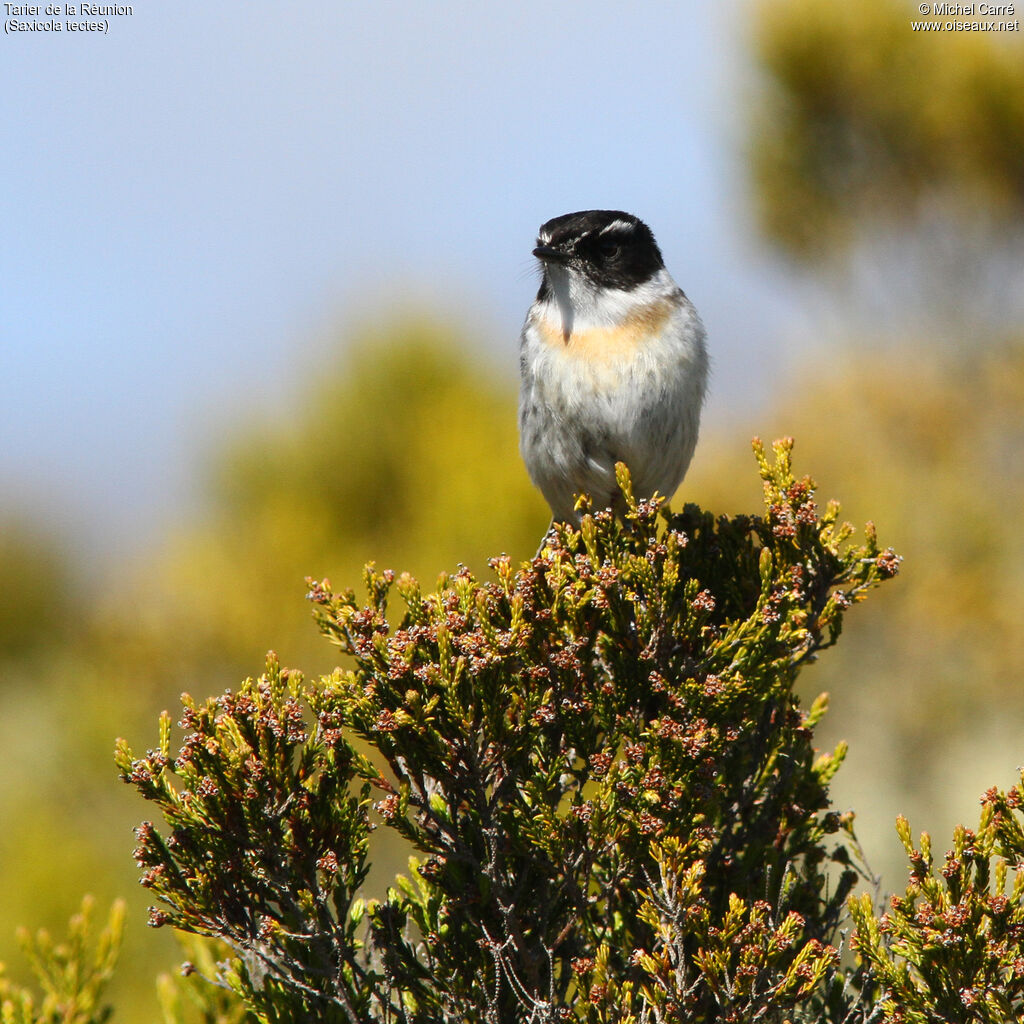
[(610, 793)]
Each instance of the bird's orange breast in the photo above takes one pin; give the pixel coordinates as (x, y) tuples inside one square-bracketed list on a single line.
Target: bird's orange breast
[(606, 344)]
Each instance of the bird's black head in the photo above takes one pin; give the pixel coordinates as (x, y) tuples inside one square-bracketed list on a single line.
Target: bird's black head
[(613, 249)]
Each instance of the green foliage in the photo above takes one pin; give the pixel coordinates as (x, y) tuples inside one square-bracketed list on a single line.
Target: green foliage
[(864, 123), (72, 974), (91, 654), (750, 962), (615, 803), (952, 948), (925, 664), (925, 684), (191, 998)]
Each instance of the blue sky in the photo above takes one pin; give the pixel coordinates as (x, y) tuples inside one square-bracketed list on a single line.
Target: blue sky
[(196, 200)]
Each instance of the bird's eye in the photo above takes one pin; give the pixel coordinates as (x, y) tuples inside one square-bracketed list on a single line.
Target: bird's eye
[(608, 250)]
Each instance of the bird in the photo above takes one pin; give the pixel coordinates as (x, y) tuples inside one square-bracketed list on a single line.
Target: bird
[(613, 365)]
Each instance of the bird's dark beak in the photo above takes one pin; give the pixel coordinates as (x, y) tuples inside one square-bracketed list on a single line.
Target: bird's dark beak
[(546, 253)]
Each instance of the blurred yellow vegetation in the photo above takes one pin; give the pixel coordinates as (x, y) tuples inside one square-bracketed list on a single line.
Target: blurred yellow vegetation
[(404, 453), (929, 450), (889, 164), (927, 679), (859, 122)]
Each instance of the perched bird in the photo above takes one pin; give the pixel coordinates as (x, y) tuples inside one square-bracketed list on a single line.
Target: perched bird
[(613, 365)]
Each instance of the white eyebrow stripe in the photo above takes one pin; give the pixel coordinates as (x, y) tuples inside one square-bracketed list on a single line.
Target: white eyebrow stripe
[(616, 225)]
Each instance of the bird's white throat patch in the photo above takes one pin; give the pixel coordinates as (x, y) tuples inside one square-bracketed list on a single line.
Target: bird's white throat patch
[(602, 324)]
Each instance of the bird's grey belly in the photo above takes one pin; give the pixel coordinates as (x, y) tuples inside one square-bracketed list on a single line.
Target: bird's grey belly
[(568, 452)]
